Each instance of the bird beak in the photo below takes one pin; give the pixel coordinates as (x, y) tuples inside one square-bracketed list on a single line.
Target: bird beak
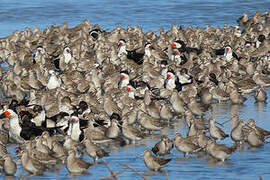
[(219, 124), (249, 126), (6, 114), (2, 116), (226, 122), (140, 155)]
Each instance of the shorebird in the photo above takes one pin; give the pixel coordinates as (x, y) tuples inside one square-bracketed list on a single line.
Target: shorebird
[(93, 150), (69, 144), (243, 20), (76, 165), (215, 131), (260, 95), (219, 151), (260, 131), (131, 133), (202, 139), (10, 167), (158, 54), (166, 111), (197, 108), (261, 79), (228, 53), (16, 132), (236, 97), (181, 46), (185, 145), (124, 79), (254, 138), (149, 122), (237, 133), (36, 153), (32, 165), (135, 56), (65, 59), (172, 82), (54, 81), (58, 150), (74, 130), (177, 103), (152, 162), (163, 147), (113, 131)]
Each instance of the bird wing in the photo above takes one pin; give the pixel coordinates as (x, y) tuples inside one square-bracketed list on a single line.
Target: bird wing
[(220, 51), (235, 56)]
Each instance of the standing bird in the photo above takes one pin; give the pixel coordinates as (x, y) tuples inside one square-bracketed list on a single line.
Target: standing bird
[(23, 131), (74, 130), (76, 165), (31, 165), (172, 81), (158, 54), (228, 53), (152, 162), (215, 131), (219, 151), (133, 55), (54, 81), (181, 46), (254, 138), (237, 133), (65, 59), (163, 147), (93, 150), (181, 59), (260, 95), (260, 131), (124, 79), (185, 145), (10, 167)]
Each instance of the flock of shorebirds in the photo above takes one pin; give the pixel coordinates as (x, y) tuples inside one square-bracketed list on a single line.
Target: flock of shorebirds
[(70, 91)]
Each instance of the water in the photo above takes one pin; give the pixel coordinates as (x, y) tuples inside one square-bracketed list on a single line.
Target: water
[(150, 15)]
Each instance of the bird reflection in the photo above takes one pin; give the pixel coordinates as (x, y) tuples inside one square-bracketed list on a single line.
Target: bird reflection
[(260, 106)]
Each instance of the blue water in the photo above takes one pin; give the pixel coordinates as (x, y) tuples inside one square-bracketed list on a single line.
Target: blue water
[(150, 15)]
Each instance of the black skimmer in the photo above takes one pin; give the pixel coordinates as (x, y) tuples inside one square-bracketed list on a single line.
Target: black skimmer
[(227, 52), (124, 79), (178, 57), (94, 33), (158, 54), (163, 68), (259, 41), (213, 78), (181, 46), (82, 109), (39, 52), (74, 129), (23, 131), (172, 81), (184, 77), (133, 55)]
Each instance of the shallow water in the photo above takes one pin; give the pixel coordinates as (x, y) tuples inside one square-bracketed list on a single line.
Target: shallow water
[(150, 15), (246, 164)]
